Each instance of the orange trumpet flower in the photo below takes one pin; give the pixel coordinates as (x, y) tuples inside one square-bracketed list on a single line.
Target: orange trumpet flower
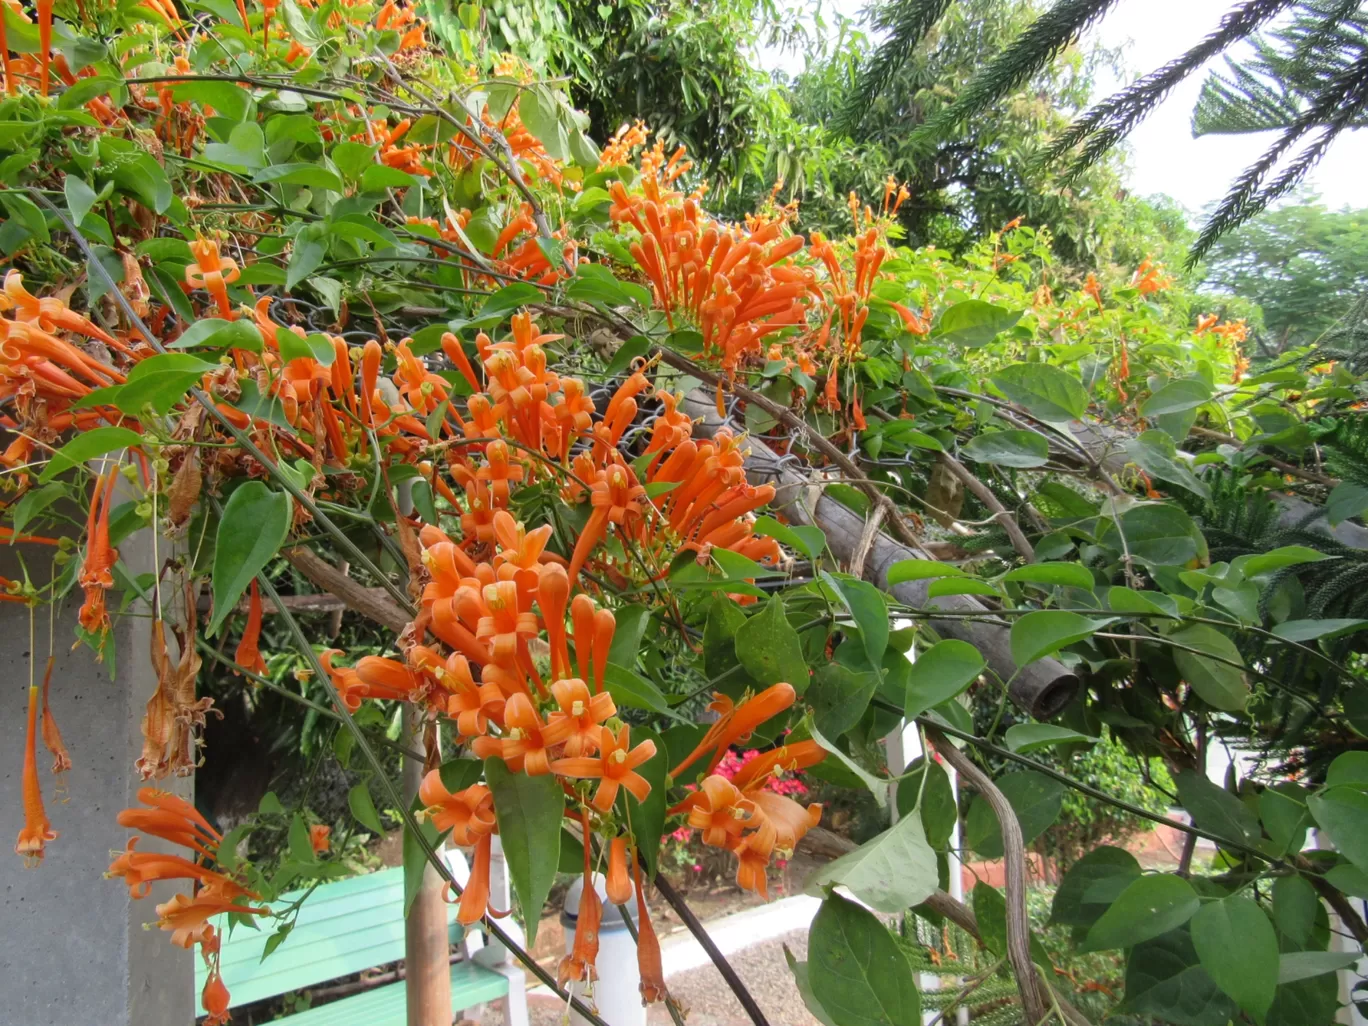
[(737, 724), (468, 814), (615, 767), (619, 883), (247, 654), (583, 712), (97, 572), (37, 831), (212, 272)]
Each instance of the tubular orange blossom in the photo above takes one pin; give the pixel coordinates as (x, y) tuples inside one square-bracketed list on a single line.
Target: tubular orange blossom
[(37, 831)]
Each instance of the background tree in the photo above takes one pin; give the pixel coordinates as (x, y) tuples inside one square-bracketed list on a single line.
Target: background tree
[(1302, 263)]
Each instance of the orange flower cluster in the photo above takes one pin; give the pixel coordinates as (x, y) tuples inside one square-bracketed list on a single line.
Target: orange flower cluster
[(734, 283), (739, 814), (186, 917), (1149, 278)]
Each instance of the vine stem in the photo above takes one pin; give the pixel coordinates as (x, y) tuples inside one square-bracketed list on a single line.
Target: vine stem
[(1014, 855)]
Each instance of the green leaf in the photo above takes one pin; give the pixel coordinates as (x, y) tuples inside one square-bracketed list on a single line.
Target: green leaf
[(937, 810), (858, 973), (1155, 453), (1024, 449), (890, 873), (313, 175), (33, 502), (973, 323), (1309, 630), (510, 298), (1154, 533), (939, 674), (1063, 575), (86, 446), (228, 100), (1216, 809), (275, 940), (961, 586), (1254, 564), (878, 788), (529, 811), (631, 690), (1030, 737), (221, 334), (1035, 798), (800, 979), (301, 847), (920, 570), (540, 114), (1149, 907), (839, 697), (270, 805), (460, 773), (1044, 632), (161, 381), (1049, 393), (359, 801), (808, 540), (27, 213), (415, 861), (1239, 950), (80, 197), (1165, 979), (379, 177), (627, 352), (1219, 684), (631, 625), (1295, 906), (867, 607), (1302, 965), (769, 648), (1342, 812), (255, 523), (1348, 768), (648, 817), (1092, 884), (309, 249), (1176, 396), (1282, 808), (1346, 500)]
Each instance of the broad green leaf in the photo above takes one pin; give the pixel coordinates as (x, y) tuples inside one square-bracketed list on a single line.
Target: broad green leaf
[(1239, 950), (725, 618), (33, 502), (161, 381), (648, 817), (307, 253), (86, 446), (808, 540), (1155, 453), (1282, 807), (972, 323), (312, 175), (27, 213), (1302, 965), (1342, 812), (219, 334), (867, 607), (633, 691), (1254, 564), (939, 674), (359, 801), (961, 586), (631, 625), (1154, 533), (878, 788), (769, 648), (1092, 884), (510, 298), (228, 100), (1216, 809), (920, 570), (379, 177), (1128, 600), (1346, 500), (460, 773), (1309, 630), (1219, 684), (1031, 737), (529, 811), (1149, 907), (1035, 798), (80, 197), (255, 523), (1349, 879), (1165, 979), (1176, 397), (415, 861), (800, 979), (1348, 768), (856, 970), (301, 845), (1053, 395), (1044, 632), (1295, 905), (990, 909), (839, 697), (890, 873), (937, 811), (1064, 575), (1024, 449)]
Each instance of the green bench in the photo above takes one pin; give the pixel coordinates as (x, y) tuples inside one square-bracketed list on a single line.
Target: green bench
[(357, 924)]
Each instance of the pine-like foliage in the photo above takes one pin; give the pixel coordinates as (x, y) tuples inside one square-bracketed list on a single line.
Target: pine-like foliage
[(906, 23), (1346, 342)]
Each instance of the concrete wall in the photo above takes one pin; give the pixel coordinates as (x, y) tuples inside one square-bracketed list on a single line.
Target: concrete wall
[(72, 945)]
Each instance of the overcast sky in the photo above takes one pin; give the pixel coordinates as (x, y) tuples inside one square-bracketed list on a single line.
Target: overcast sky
[(1164, 158)]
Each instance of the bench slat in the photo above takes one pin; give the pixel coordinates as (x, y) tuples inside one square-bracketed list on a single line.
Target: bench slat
[(471, 985), (342, 928)]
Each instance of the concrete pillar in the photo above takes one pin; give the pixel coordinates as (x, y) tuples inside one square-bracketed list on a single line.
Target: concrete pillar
[(72, 944)]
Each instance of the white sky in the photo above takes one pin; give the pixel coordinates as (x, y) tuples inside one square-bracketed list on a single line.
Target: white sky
[(1164, 157)]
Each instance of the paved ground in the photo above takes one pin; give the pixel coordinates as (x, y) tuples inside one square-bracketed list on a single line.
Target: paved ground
[(706, 997)]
